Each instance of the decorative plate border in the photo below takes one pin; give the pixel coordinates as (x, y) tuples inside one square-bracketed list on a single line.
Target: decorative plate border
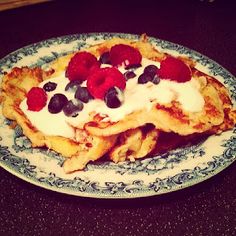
[(16, 151)]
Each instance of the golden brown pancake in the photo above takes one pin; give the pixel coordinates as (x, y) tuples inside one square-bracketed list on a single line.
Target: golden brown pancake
[(216, 116), (134, 136), (15, 86)]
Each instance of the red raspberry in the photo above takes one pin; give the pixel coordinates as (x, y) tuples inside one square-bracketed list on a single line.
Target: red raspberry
[(102, 79), (80, 65), (36, 99), (174, 69), (124, 54)]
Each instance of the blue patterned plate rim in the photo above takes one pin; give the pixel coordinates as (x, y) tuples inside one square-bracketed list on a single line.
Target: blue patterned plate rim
[(169, 172)]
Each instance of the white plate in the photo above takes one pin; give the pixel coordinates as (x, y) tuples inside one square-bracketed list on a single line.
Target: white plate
[(171, 171)]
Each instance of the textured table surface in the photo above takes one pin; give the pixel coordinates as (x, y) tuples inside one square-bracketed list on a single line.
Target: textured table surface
[(207, 208)]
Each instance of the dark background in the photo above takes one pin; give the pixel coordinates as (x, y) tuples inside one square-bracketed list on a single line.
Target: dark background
[(207, 208)]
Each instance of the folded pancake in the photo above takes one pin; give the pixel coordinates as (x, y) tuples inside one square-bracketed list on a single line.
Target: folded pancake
[(135, 135), (216, 116), (79, 151), (134, 143)]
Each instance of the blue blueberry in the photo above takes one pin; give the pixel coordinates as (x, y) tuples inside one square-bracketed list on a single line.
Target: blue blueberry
[(73, 107), (156, 79), (83, 94), (150, 69), (144, 78), (56, 103), (73, 85), (105, 58), (114, 97), (49, 86), (129, 75)]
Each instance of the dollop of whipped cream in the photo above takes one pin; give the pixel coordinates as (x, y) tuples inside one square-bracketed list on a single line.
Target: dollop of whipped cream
[(136, 97)]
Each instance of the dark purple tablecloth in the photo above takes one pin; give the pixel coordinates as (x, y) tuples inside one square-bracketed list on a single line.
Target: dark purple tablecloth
[(207, 208)]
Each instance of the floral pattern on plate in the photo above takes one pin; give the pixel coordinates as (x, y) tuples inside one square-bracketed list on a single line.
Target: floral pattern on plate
[(164, 173)]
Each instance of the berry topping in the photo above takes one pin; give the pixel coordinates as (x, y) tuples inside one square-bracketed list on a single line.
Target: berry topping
[(72, 107), (150, 69), (105, 58), (129, 75), (149, 74), (83, 94), (144, 78), (49, 86), (124, 54), (156, 79), (104, 78), (80, 66), (36, 99), (174, 69), (73, 85), (57, 102), (114, 97)]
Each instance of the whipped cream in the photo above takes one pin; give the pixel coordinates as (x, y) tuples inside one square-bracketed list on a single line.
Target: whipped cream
[(136, 97)]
